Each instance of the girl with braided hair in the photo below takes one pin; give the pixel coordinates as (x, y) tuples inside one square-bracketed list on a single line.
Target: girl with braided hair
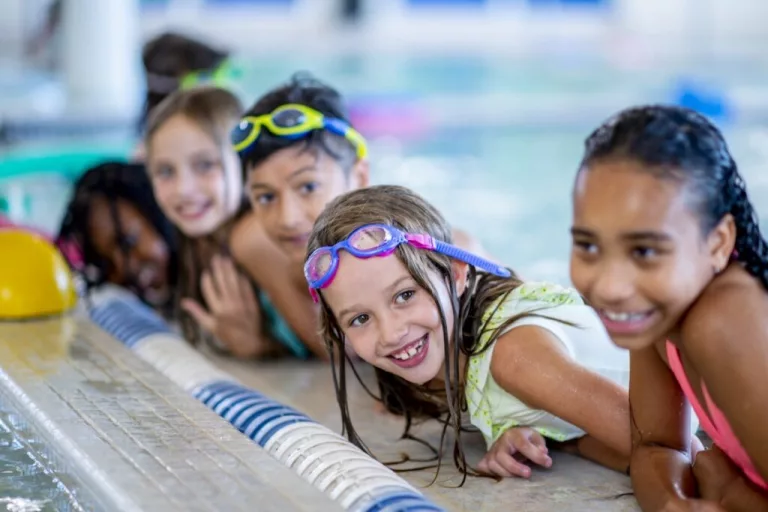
[(667, 248)]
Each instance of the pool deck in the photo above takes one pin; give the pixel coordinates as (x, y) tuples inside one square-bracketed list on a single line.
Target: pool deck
[(131, 439), (572, 484)]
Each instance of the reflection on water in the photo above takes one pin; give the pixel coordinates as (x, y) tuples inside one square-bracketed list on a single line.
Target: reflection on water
[(27, 482)]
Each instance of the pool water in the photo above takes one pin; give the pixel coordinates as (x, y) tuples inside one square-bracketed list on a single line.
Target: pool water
[(503, 176), (27, 481), (497, 157)]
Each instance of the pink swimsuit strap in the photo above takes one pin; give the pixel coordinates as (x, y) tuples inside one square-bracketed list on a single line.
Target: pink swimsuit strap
[(717, 427)]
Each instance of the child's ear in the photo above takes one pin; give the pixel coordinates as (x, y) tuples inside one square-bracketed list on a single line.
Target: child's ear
[(721, 241), (460, 271), (360, 175)]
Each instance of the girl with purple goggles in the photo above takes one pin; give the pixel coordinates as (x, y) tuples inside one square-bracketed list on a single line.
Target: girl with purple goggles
[(381, 240)]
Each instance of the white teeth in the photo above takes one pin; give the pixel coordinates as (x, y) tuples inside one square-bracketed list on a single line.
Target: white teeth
[(405, 355), (192, 209), (623, 316)]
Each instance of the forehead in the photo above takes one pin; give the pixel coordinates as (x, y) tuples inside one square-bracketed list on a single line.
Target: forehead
[(128, 215), (622, 196), (180, 133), (362, 280), (283, 164)]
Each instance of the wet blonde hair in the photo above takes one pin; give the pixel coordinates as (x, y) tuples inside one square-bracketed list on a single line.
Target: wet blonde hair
[(400, 207), (216, 111)]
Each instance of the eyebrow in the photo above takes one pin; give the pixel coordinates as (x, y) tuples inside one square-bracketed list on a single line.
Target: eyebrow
[(204, 153), (645, 236), (297, 172), (389, 288), (633, 236)]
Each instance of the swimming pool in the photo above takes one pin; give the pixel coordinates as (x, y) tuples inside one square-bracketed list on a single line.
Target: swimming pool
[(28, 480), (493, 142)]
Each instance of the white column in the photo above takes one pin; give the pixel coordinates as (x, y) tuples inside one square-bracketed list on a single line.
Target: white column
[(102, 57)]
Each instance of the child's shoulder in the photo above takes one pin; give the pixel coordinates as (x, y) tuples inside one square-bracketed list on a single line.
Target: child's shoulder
[(551, 293), (529, 296), (734, 302)]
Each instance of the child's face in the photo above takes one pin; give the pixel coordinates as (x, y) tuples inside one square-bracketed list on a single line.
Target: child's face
[(638, 253), (387, 318), (197, 186), (289, 190), (137, 259)]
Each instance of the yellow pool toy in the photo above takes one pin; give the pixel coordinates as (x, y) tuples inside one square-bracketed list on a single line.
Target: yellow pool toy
[(35, 281)]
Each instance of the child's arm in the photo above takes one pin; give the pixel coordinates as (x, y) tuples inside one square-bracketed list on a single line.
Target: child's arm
[(661, 460), (531, 363), (592, 449), (254, 252), (725, 341)]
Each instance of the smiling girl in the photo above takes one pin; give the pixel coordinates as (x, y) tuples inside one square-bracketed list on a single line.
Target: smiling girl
[(450, 332), (196, 180), (667, 247)]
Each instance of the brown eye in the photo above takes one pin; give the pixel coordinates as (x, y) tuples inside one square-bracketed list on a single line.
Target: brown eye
[(644, 253), (405, 296), (359, 320)]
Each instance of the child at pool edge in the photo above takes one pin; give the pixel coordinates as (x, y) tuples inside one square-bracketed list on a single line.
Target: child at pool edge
[(667, 247), (289, 180), (113, 231), (195, 176), (174, 61), (446, 336)]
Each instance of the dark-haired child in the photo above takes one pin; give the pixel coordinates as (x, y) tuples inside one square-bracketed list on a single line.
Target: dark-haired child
[(667, 248)]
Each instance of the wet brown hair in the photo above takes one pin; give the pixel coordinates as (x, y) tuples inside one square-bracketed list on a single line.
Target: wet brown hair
[(216, 111), (400, 207)]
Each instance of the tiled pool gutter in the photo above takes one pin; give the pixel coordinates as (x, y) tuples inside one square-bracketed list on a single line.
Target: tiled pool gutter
[(131, 438)]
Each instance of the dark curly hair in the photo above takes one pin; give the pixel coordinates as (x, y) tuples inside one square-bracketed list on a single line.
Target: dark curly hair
[(111, 181)]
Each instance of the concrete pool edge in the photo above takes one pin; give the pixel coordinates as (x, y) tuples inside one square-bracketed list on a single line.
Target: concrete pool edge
[(319, 455), (131, 438)]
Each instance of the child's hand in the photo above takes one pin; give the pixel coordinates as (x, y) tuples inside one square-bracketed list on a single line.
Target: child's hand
[(681, 505), (720, 480), (234, 315), (521, 441), (714, 473)]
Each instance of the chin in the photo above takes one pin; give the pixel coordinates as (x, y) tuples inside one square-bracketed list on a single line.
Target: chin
[(295, 254), (200, 230), (637, 342), (422, 375)]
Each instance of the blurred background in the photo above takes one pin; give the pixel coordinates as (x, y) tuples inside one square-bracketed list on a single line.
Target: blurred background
[(480, 105)]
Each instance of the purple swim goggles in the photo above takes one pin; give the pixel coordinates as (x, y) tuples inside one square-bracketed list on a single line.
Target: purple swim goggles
[(381, 240)]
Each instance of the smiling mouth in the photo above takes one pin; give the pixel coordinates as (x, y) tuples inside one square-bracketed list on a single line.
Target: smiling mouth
[(625, 322), (193, 211), (296, 240), (412, 354)]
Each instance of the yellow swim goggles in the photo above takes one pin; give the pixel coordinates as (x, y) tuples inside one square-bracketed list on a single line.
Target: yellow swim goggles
[(294, 121)]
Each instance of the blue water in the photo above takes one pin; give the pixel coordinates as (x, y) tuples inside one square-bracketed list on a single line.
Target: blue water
[(504, 137), (27, 481)]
